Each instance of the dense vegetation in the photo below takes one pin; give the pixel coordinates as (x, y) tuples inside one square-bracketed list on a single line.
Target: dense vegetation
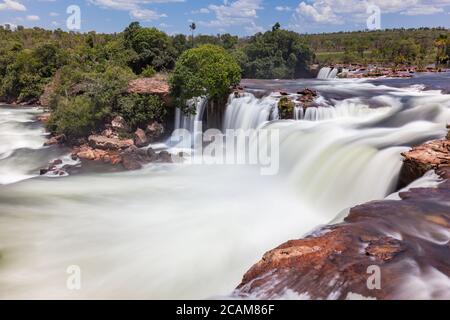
[(395, 46), (85, 76)]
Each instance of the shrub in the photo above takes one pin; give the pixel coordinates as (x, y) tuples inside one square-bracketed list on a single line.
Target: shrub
[(77, 117), (138, 109), (148, 72), (286, 108)]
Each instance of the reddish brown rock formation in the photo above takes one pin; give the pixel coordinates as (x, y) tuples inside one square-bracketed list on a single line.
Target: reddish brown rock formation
[(408, 240), (426, 157), (105, 143), (59, 139), (157, 85)]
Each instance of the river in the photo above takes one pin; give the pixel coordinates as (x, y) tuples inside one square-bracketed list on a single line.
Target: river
[(191, 231)]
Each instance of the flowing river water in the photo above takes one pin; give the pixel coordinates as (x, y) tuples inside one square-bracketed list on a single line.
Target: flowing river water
[(191, 231)]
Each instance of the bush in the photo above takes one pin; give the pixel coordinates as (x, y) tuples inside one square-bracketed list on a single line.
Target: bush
[(139, 110), (77, 117), (148, 72), (204, 71), (286, 108)]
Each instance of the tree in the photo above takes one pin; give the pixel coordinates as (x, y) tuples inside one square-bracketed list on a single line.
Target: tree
[(276, 54), (207, 70), (152, 47), (193, 27), (276, 26)]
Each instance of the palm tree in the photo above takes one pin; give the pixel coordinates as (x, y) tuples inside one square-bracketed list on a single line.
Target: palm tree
[(193, 26)]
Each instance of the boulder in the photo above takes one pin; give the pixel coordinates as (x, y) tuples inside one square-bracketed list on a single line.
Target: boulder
[(423, 158), (140, 138), (154, 130), (118, 124), (105, 143), (59, 139)]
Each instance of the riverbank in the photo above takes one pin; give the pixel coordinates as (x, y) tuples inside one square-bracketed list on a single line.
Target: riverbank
[(406, 239)]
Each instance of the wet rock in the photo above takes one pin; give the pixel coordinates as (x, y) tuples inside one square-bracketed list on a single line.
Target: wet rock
[(400, 238), (43, 118), (140, 138), (423, 158), (105, 143), (59, 139), (118, 124), (308, 92), (165, 157), (154, 131)]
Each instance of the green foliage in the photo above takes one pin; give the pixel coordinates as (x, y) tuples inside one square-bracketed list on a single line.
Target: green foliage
[(83, 102), (276, 54), (139, 110), (391, 46), (77, 117), (152, 47), (204, 71), (286, 108), (148, 72)]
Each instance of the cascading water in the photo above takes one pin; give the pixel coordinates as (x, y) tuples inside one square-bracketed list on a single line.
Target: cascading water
[(248, 112), (191, 122), (161, 231), (21, 145), (327, 73)]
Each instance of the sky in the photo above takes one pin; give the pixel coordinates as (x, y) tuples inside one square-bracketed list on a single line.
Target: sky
[(241, 17)]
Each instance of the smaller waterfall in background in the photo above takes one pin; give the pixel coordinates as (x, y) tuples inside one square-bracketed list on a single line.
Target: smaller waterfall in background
[(327, 73)]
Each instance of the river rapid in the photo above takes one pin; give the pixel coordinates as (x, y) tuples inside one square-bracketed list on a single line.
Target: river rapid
[(175, 231)]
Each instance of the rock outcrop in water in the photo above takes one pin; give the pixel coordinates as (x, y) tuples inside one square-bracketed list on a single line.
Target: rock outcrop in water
[(429, 156), (406, 240)]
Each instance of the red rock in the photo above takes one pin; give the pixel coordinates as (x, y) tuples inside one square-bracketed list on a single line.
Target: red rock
[(334, 261), (154, 130), (140, 138), (156, 85), (104, 143), (118, 124), (59, 139)]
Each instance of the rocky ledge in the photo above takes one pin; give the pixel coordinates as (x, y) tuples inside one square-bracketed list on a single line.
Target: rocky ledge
[(407, 240), (111, 147)]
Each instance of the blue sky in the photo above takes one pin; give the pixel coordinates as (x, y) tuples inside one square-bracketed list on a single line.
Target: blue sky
[(242, 17)]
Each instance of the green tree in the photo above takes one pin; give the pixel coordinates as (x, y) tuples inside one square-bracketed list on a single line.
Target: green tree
[(204, 71)]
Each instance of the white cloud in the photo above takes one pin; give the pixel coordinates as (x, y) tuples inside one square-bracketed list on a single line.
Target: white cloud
[(53, 14), (134, 7), (236, 13), (202, 10), (283, 8), (146, 14), (343, 11), (33, 18), (12, 5), (422, 10), (316, 13)]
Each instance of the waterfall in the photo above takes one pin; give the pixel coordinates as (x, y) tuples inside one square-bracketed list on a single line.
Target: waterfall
[(327, 73), (248, 112), (348, 108), (191, 122), (165, 216)]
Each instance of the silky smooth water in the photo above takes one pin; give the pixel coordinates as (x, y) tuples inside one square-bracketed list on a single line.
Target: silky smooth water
[(191, 231)]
